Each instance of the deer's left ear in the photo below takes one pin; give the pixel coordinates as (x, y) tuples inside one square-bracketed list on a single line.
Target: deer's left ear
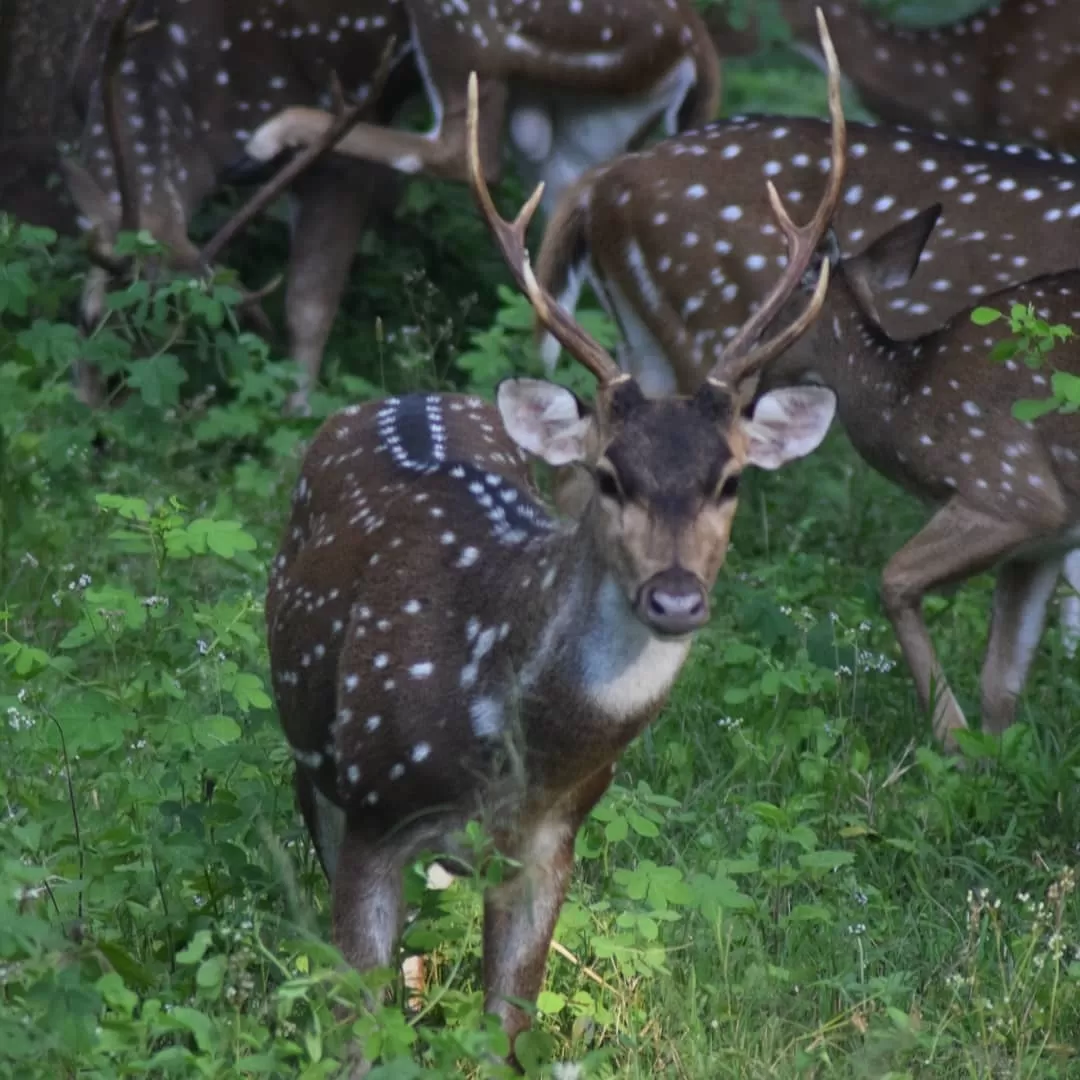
[(544, 419), (788, 423)]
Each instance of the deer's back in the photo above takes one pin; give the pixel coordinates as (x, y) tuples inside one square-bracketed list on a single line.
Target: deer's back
[(400, 599)]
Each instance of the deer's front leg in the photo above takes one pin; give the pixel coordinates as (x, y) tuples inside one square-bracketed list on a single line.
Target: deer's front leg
[(520, 915), (957, 543), (331, 208), (519, 920)]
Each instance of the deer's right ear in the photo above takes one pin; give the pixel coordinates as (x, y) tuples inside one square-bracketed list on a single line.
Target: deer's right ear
[(544, 419)]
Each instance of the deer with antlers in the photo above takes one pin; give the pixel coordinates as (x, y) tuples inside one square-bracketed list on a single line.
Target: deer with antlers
[(180, 86), (674, 239), (573, 86), (443, 649), (1009, 72)]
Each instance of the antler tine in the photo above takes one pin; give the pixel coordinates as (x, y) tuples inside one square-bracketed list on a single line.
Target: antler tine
[(741, 359), (345, 116), (510, 237)]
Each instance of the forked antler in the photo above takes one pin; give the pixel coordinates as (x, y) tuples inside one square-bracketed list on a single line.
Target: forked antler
[(510, 237), (743, 356)]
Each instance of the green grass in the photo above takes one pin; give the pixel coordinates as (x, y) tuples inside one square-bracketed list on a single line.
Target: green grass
[(786, 880)]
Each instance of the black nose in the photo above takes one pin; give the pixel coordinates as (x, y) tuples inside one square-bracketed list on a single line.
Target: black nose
[(673, 603)]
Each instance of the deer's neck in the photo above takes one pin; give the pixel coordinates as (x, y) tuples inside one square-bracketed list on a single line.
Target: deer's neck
[(873, 376), (591, 646), (904, 76)]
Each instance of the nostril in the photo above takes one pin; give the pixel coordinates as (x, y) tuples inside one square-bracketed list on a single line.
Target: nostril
[(663, 602)]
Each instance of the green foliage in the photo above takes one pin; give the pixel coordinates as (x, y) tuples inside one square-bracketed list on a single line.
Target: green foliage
[(785, 880), (1031, 343)]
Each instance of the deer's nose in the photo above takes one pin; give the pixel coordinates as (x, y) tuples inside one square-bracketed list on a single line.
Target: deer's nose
[(673, 603)]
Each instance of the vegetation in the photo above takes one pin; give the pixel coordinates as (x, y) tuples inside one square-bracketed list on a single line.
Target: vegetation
[(786, 880)]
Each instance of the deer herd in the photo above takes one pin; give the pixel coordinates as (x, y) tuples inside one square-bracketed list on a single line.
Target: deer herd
[(447, 647)]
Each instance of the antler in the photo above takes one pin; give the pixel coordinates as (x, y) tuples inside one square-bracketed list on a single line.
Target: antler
[(741, 358), (510, 237)]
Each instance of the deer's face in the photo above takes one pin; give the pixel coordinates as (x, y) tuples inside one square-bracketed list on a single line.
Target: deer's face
[(664, 477)]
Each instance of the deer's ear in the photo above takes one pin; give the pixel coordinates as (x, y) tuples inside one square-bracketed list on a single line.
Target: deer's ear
[(788, 423), (544, 419), (891, 260)]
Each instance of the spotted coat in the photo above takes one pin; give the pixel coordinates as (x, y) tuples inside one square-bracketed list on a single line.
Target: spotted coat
[(681, 245), (416, 611), (206, 73), (1008, 71)]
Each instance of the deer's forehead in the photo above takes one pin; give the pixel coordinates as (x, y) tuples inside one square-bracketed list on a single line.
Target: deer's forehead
[(665, 445)]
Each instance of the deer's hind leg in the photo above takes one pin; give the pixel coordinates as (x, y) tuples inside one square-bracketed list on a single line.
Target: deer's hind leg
[(1021, 596), (331, 208)]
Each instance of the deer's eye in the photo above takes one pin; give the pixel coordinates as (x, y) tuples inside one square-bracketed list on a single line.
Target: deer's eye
[(728, 489), (608, 485)]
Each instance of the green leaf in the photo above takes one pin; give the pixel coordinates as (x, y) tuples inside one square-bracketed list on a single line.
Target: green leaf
[(616, 829), (1032, 408), (197, 1023), (825, 860), (131, 509), (218, 730), (550, 1003), (984, 316), (158, 380), (195, 949), (224, 538), (211, 973), (641, 825)]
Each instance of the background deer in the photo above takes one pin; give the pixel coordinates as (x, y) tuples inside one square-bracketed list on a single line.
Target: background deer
[(1011, 71), (192, 86), (572, 85), (674, 239), (935, 416), (207, 75), (415, 687)]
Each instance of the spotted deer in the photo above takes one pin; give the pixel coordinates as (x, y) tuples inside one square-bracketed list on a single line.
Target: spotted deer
[(573, 84), (1010, 71), (676, 241), (934, 415), (193, 84), (444, 649)]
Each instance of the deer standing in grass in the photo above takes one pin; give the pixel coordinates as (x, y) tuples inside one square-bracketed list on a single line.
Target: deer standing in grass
[(1011, 71), (675, 240), (444, 650)]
